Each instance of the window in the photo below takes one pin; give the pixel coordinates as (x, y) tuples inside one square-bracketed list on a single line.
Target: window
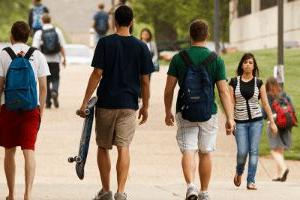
[(264, 4), (244, 7)]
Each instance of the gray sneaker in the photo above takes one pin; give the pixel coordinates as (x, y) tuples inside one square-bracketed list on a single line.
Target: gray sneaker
[(120, 196), (192, 193), (203, 196), (101, 195)]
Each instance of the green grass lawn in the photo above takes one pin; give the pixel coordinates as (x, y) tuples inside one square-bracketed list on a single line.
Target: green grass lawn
[(266, 59)]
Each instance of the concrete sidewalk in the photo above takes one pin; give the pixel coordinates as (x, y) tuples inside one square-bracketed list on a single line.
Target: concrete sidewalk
[(155, 172)]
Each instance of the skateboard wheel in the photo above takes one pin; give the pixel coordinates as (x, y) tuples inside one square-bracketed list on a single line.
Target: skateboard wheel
[(87, 112), (78, 159), (71, 159)]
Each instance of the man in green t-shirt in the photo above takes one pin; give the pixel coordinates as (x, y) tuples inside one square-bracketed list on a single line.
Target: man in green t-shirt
[(193, 137)]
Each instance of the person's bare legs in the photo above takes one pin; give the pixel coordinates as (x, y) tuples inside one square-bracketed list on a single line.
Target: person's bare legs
[(278, 155), (104, 165), (10, 171), (122, 167), (30, 166), (188, 166), (205, 167)]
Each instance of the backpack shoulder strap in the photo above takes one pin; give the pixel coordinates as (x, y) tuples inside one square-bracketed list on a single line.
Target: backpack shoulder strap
[(29, 53), (212, 56), (10, 52), (186, 58)]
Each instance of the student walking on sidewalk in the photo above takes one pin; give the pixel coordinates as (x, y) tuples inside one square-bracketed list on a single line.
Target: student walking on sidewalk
[(284, 113), (51, 42), (246, 90), (21, 67), (122, 65), (196, 135), (35, 16)]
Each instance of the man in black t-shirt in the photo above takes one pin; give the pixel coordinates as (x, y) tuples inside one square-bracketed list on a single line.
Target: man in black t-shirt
[(123, 64)]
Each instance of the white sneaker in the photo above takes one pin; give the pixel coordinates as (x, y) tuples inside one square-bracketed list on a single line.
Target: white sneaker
[(120, 196), (101, 195), (203, 196), (192, 193)]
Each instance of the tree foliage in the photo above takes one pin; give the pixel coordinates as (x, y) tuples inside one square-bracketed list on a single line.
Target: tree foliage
[(171, 19), (11, 11)]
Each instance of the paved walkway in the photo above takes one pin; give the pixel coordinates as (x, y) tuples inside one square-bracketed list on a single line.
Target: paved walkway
[(155, 173)]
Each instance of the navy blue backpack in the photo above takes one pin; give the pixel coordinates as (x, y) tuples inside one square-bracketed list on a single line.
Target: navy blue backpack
[(197, 93), (20, 84)]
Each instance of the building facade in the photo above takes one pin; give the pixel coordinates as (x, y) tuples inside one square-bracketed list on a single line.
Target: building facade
[(253, 23)]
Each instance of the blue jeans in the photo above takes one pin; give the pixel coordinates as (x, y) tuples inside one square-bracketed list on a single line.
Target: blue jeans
[(247, 139)]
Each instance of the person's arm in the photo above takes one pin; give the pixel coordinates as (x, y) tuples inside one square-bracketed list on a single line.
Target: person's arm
[(168, 99), (155, 52), (226, 101), (267, 109), (42, 93), (62, 45), (62, 51), (36, 40), (231, 92), (143, 112), (94, 80)]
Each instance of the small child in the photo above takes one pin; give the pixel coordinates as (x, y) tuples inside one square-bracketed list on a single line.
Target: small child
[(282, 140)]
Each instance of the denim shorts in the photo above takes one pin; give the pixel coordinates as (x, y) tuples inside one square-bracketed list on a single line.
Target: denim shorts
[(197, 136)]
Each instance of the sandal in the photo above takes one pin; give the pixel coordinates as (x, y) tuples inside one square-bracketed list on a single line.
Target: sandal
[(237, 180), (276, 179), (251, 186), (284, 176)]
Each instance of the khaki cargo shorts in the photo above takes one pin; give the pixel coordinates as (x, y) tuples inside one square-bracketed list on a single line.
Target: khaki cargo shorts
[(114, 127)]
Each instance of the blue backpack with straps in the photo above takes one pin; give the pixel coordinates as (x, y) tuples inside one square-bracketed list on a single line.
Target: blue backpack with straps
[(197, 93), (20, 84)]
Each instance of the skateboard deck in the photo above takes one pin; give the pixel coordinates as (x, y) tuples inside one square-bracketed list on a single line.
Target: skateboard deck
[(80, 159)]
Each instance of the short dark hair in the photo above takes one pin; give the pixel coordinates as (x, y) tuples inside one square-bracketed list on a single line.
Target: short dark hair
[(245, 57), (124, 15), (20, 31), (101, 6), (199, 30)]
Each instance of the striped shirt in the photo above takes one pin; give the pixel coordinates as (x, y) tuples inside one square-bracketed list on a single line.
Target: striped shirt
[(247, 107)]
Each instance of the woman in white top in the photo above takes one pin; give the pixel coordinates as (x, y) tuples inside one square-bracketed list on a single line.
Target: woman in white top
[(146, 36)]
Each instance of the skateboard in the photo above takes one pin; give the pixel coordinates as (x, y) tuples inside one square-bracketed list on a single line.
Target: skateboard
[(80, 159)]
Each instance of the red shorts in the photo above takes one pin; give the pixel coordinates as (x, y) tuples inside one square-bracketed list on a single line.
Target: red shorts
[(19, 128)]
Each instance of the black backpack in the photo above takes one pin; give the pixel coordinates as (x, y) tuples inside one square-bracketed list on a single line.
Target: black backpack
[(50, 42), (197, 93)]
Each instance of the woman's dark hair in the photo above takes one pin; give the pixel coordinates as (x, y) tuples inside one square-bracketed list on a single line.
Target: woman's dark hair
[(20, 31), (148, 31), (245, 57), (124, 15)]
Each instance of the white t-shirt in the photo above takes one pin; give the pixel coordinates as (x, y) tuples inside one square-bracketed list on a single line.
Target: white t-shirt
[(37, 61), (37, 42)]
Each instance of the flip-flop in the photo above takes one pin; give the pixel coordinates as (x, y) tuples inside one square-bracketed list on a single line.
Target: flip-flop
[(237, 180), (284, 176), (276, 179)]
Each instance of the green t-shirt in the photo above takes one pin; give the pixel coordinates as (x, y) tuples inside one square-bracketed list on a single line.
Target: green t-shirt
[(216, 69)]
